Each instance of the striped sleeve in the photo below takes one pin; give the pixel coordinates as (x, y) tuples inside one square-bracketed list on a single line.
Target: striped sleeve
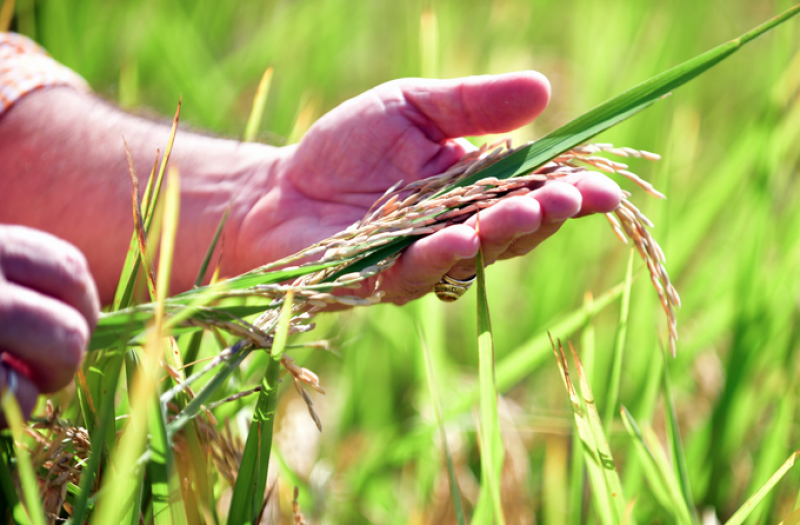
[(25, 66)]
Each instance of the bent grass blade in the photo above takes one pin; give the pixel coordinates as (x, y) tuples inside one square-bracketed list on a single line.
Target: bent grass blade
[(756, 498)]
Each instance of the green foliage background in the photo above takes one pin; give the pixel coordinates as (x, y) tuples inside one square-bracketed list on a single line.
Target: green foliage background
[(730, 229)]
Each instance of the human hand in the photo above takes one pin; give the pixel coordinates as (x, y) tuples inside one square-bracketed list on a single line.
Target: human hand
[(48, 308), (407, 130)]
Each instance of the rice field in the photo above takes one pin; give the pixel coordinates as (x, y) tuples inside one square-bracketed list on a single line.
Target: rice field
[(720, 418)]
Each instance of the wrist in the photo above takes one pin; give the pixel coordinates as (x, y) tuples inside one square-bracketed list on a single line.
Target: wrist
[(256, 181)]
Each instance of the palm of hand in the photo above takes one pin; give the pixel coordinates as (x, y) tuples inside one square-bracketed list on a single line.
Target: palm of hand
[(346, 161), (407, 130)]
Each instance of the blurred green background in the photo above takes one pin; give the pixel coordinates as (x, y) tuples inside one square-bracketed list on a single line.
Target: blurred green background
[(730, 230)]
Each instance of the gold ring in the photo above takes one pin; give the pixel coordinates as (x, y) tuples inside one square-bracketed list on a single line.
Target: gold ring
[(449, 289)]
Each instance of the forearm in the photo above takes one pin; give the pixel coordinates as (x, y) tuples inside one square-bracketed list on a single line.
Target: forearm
[(64, 171)]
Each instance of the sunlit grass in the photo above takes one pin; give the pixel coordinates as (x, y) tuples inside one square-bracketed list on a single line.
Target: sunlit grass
[(730, 230)]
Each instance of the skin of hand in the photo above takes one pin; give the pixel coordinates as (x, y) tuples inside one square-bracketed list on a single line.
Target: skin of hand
[(48, 308), (65, 173), (407, 130)]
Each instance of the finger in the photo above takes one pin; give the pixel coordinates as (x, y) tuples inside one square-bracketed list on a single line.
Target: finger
[(44, 339), (25, 391), (427, 260), (476, 105), (43, 262), (536, 215), (597, 194), (499, 226)]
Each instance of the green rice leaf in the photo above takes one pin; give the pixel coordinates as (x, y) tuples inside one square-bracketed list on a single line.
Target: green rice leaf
[(103, 429), (251, 480), (241, 350), (260, 99), (10, 502), (578, 466), (130, 269), (121, 325), (618, 109), (616, 497), (27, 477), (756, 498), (455, 493), (201, 273), (594, 463), (612, 394), (491, 441), (662, 481), (674, 435)]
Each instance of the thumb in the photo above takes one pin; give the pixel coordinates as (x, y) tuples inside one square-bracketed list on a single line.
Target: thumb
[(476, 105)]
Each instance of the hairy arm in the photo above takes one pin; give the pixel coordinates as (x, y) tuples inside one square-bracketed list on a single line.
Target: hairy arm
[(64, 172)]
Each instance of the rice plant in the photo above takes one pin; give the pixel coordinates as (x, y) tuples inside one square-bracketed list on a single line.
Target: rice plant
[(181, 440)]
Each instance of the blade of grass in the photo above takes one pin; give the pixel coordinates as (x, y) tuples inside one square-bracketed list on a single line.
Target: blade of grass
[(792, 519), (136, 482), (139, 227), (778, 435), (260, 99), (756, 498), (612, 394), (100, 436), (594, 467), (251, 480), (162, 473), (201, 273), (85, 397), (167, 501), (490, 438), (577, 475), (124, 291), (455, 493), (518, 364), (239, 351), (27, 477), (663, 484), (12, 505), (617, 499), (676, 444), (124, 481), (120, 325), (130, 269)]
